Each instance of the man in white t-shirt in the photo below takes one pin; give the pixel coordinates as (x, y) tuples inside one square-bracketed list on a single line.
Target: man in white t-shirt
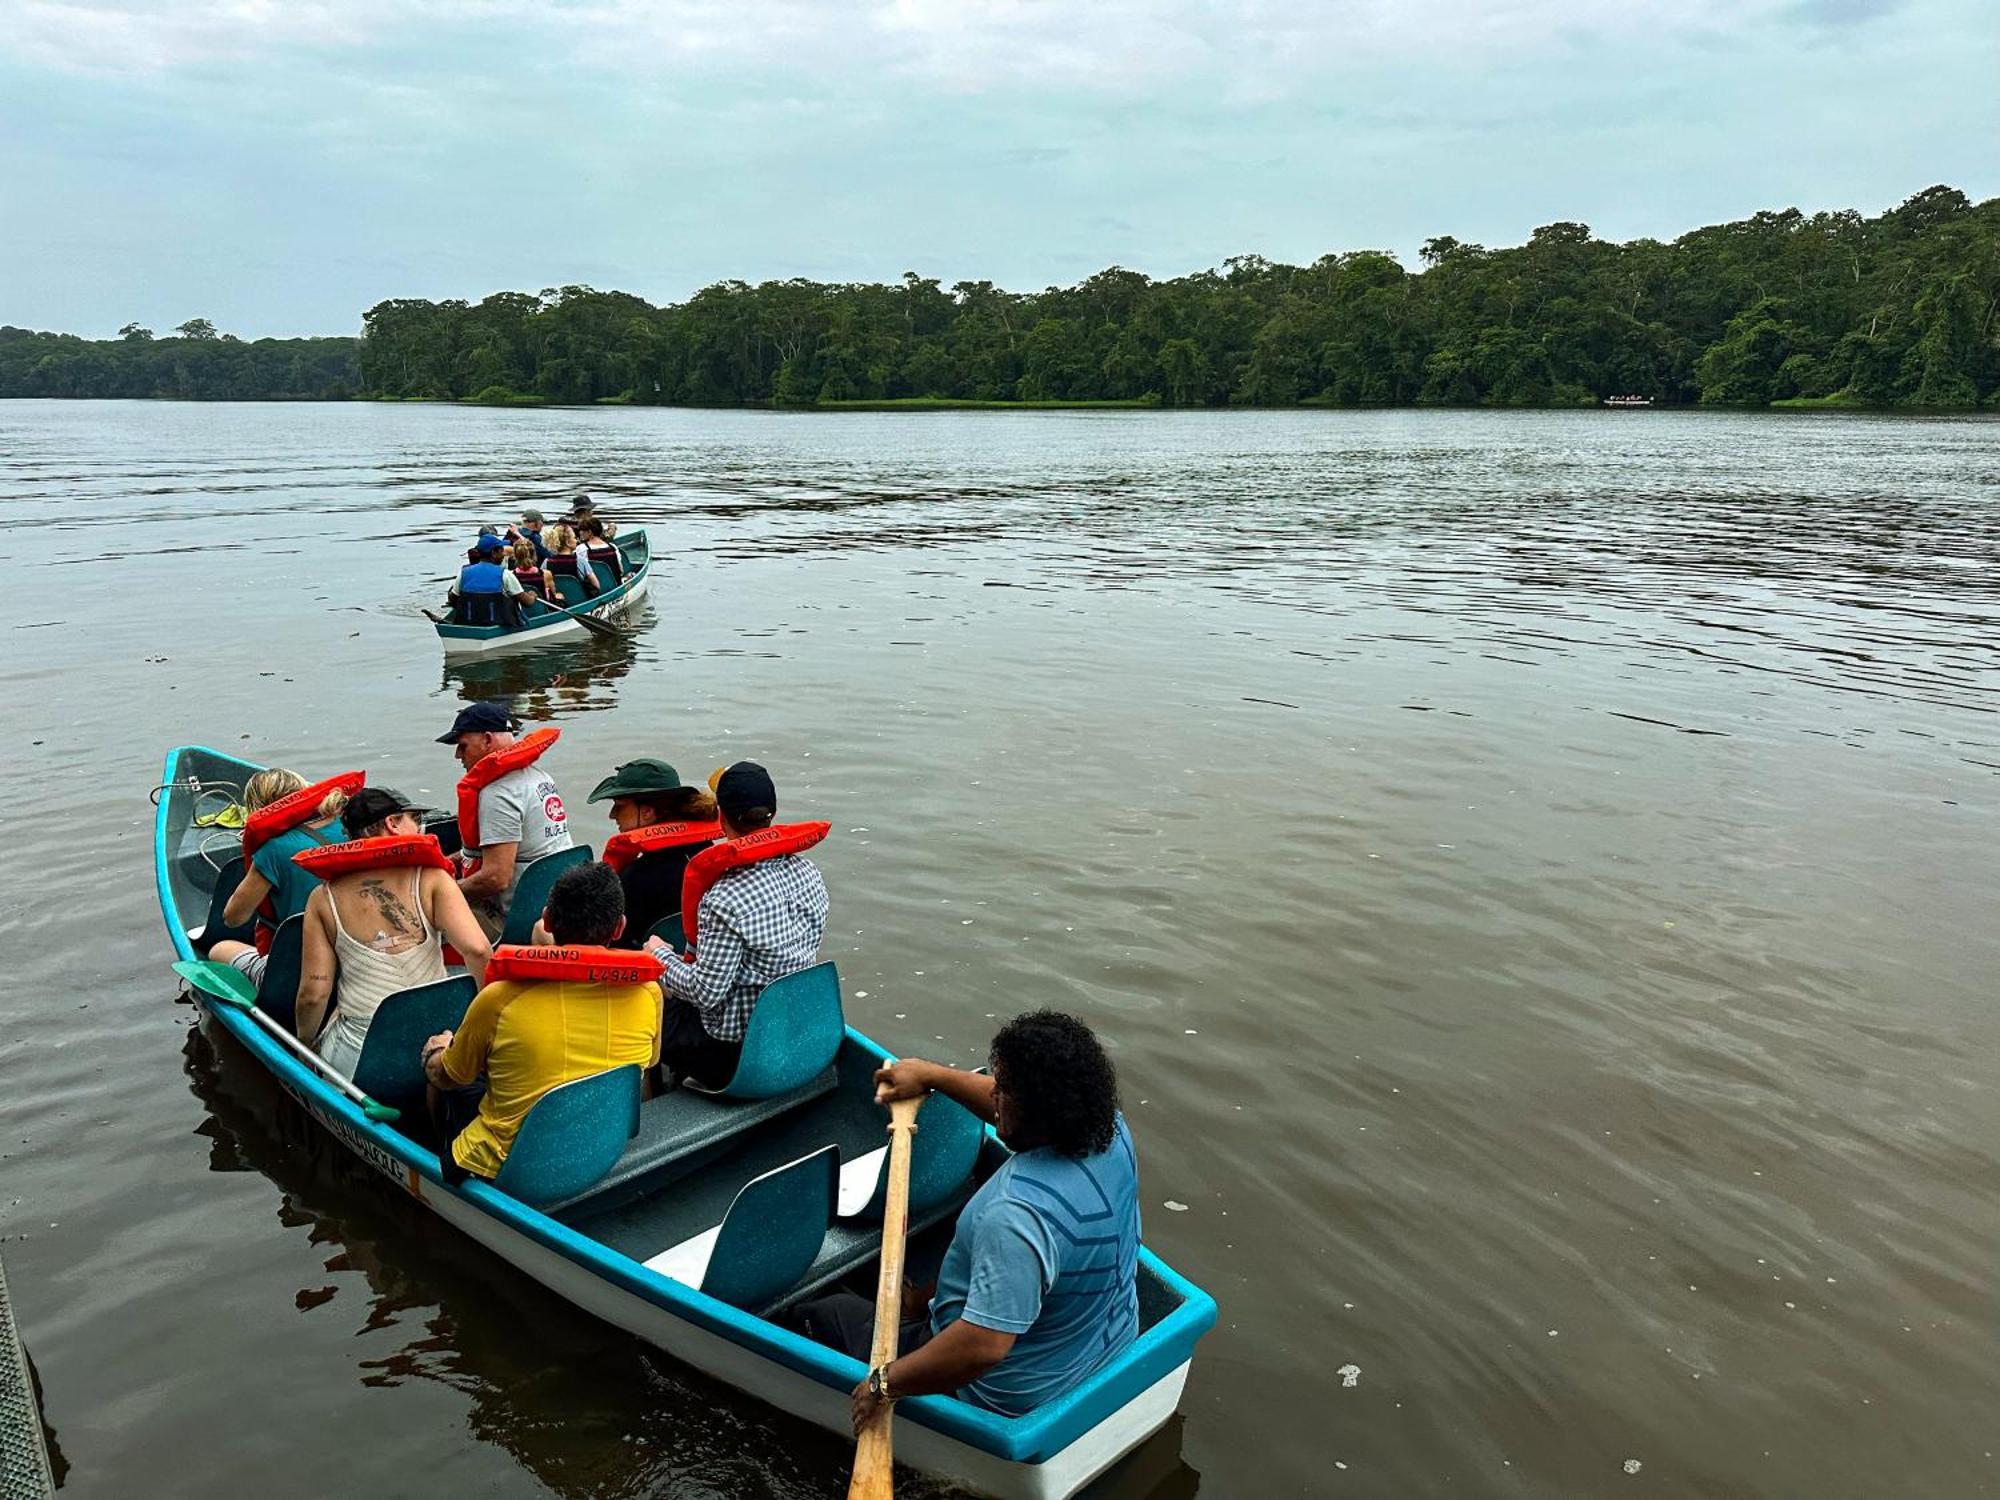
[(521, 815)]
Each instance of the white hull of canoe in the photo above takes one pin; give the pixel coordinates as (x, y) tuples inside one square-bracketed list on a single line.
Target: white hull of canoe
[(1058, 1478), (560, 630)]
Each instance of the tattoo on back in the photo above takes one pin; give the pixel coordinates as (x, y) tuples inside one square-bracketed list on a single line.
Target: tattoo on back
[(393, 909)]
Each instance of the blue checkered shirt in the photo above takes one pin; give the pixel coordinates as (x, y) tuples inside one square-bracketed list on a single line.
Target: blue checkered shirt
[(756, 924)]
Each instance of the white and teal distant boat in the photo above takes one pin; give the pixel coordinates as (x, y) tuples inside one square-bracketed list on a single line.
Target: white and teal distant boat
[(542, 622), (693, 1221)]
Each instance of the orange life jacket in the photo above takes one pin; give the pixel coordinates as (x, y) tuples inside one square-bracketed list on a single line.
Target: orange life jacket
[(718, 860), (580, 964), (489, 769), (295, 808), (622, 849), (389, 852)]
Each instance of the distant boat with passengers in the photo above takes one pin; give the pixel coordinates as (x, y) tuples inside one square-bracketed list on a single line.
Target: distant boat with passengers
[(495, 620)]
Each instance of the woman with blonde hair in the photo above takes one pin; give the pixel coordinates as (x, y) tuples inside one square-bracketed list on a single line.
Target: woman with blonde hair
[(532, 576), (567, 559), (273, 888)]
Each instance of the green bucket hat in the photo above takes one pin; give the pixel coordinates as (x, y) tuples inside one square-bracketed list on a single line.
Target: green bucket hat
[(637, 778)]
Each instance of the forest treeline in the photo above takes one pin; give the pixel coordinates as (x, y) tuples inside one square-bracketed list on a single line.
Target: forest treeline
[(1900, 309)]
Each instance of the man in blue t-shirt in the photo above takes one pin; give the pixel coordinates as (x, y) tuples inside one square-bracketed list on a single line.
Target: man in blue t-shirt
[(1040, 1285)]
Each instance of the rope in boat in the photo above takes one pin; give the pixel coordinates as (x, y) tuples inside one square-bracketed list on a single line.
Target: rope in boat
[(198, 790)]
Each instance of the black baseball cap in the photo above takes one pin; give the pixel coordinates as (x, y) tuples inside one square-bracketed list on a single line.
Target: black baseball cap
[(489, 717), (743, 786), (371, 805), (637, 778)]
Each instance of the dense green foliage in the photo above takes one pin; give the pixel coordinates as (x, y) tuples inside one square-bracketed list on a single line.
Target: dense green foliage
[(1831, 309), (199, 365)]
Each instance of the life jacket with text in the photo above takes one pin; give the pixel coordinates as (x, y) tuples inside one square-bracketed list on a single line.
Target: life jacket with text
[(529, 579), (623, 850), (490, 768), (580, 965), (611, 558), (717, 861), (293, 810), (390, 852)]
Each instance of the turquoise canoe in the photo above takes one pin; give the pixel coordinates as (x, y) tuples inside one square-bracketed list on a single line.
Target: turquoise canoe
[(541, 622), (697, 1219)]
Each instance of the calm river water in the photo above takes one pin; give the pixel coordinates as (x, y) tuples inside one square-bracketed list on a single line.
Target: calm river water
[(1537, 872)]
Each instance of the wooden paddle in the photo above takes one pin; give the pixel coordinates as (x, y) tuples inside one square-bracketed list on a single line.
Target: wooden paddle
[(874, 1457), (232, 986)]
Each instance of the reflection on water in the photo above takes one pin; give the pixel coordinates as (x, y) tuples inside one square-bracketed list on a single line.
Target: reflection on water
[(547, 682)]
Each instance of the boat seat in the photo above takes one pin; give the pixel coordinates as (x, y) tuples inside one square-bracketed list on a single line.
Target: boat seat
[(795, 1029), (607, 575), (769, 1238), (278, 991), (851, 1244), (669, 931), (943, 1151), (680, 1130), (214, 930), (531, 891), (572, 1137), (390, 1068)]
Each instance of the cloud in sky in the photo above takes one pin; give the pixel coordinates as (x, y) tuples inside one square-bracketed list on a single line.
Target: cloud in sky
[(280, 165)]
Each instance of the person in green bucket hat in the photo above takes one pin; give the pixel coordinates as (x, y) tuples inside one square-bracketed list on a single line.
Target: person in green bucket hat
[(647, 794)]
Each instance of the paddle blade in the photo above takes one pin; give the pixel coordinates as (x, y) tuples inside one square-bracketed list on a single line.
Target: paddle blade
[(221, 981)]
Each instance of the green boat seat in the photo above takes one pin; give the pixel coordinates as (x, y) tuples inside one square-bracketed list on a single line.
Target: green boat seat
[(278, 990), (851, 1244), (765, 1243), (678, 1131), (531, 891), (214, 930), (669, 931), (795, 1029), (943, 1150), (572, 1137), (390, 1068)]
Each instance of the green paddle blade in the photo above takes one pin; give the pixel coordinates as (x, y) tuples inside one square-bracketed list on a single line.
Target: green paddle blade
[(386, 1113), (229, 985)]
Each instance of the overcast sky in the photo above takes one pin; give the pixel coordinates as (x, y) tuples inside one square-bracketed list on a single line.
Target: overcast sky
[(279, 166)]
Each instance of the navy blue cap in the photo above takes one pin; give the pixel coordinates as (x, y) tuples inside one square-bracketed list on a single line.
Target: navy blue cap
[(743, 786), (490, 717), (488, 542)]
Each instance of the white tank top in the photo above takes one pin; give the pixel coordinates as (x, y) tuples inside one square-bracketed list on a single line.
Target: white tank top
[(368, 976)]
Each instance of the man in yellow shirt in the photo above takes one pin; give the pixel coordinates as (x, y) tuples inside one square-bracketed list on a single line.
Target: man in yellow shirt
[(526, 1038)]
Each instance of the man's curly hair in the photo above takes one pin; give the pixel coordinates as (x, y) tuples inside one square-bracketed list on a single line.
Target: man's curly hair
[(1064, 1091)]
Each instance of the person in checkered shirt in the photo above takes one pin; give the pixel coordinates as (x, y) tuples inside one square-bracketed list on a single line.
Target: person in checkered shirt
[(758, 923)]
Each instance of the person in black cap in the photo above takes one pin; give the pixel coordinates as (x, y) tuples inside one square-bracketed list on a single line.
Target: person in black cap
[(758, 922), (521, 815), (584, 508), (642, 793)]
